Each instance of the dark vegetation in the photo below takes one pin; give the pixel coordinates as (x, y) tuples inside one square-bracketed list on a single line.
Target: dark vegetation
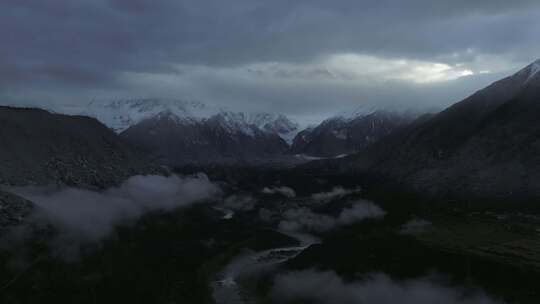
[(164, 258), (172, 257)]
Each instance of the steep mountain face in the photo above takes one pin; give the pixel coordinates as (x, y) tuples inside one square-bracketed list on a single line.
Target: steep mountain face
[(222, 137), (40, 148), (122, 114), (487, 145), (346, 135)]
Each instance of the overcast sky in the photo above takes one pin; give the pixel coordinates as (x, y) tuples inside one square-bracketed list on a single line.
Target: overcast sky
[(303, 57)]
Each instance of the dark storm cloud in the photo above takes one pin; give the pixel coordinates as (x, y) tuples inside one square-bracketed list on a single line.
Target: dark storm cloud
[(77, 49)]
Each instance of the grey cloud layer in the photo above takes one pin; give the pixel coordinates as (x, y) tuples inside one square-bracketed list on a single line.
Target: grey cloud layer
[(75, 50)]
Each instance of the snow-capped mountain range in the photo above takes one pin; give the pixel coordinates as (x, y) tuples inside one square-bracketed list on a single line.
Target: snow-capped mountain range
[(181, 130), (121, 114)]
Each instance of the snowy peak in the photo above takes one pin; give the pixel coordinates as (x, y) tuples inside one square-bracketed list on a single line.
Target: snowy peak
[(529, 72), (534, 68), (251, 123), (124, 113), (275, 123), (278, 123), (359, 112), (121, 114), (234, 123)]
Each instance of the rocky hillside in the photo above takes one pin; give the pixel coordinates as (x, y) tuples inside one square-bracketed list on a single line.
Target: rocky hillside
[(487, 145), (13, 210), (346, 135), (40, 148)]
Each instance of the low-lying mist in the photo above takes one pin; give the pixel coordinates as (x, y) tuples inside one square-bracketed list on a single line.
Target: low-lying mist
[(303, 219), (93, 215), (285, 191), (336, 193), (312, 286)]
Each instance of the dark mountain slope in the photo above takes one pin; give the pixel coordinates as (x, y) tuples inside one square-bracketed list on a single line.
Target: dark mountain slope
[(13, 210), (338, 136), (37, 147), (486, 146)]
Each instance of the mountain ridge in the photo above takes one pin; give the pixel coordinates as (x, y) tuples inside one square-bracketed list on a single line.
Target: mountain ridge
[(342, 135), (486, 146)]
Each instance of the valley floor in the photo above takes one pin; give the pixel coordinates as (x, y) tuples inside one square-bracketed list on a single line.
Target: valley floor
[(252, 243)]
